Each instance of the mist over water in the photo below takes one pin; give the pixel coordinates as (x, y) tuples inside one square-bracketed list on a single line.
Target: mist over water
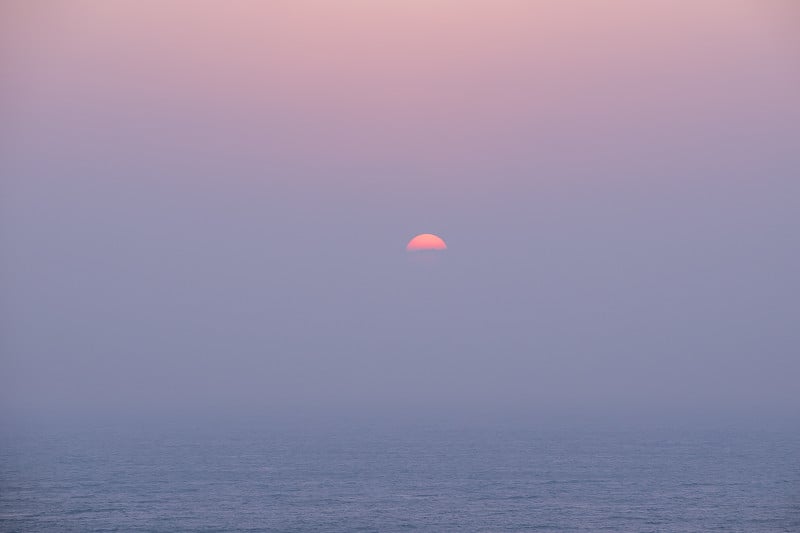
[(268, 478), (209, 321)]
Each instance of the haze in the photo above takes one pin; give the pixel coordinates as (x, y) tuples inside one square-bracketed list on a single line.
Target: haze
[(205, 208)]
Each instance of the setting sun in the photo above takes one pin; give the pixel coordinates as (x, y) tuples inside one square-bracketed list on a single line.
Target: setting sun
[(426, 241)]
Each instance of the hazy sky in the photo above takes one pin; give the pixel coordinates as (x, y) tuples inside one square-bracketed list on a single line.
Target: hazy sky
[(205, 205)]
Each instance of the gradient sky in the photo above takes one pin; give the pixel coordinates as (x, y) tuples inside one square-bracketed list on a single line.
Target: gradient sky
[(204, 207)]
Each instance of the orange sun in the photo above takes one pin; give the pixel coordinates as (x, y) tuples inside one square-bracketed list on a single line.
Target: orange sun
[(426, 241)]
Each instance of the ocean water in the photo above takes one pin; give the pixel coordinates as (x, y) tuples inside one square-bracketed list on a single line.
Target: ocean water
[(258, 478)]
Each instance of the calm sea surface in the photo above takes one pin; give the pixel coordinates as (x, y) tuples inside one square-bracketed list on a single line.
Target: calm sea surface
[(427, 479)]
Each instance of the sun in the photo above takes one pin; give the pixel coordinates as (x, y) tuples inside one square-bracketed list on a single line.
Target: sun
[(426, 241)]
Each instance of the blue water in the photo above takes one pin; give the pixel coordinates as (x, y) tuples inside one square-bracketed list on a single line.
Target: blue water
[(428, 479)]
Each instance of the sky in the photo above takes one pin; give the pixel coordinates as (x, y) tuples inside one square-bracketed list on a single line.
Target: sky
[(204, 208)]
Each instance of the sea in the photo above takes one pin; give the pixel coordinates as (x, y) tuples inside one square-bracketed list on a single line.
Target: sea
[(261, 477)]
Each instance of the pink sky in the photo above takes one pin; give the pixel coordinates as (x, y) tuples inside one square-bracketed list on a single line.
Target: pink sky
[(451, 82), (617, 184)]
